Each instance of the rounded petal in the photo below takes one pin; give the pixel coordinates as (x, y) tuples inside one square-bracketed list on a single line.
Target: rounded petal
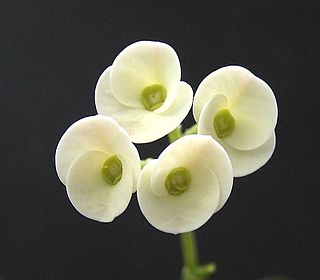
[(195, 152), (246, 162), (255, 111), (250, 101), (224, 81), (90, 194), (95, 133), (183, 213), (143, 64), (243, 162), (143, 126), (210, 109)]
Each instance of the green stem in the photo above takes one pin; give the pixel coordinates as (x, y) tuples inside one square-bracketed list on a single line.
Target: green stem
[(175, 134), (189, 249), (191, 269), (191, 130)]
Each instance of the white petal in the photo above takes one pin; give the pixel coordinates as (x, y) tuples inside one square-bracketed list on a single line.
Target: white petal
[(95, 133), (247, 162), (185, 212), (143, 64), (90, 194), (255, 113), (191, 150), (142, 125), (250, 101), (224, 81), (205, 122), (243, 162)]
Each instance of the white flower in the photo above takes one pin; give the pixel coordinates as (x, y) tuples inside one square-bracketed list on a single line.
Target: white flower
[(239, 110), (99, 166), (190, 181), (142, 91)]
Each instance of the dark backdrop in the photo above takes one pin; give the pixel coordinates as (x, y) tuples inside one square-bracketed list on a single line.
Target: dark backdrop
[(52, 53)]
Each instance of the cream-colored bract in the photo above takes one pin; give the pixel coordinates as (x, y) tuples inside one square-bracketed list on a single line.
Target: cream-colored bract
[(90, 194), (211, 184), (253, 106), (119, 88), (79, 158)]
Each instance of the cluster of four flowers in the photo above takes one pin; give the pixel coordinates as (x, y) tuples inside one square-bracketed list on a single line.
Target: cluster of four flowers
[(141, 98)]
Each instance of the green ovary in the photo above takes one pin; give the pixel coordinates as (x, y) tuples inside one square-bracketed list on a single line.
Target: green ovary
[(178, 181), (223, 123), (112, 170), (153, 96)]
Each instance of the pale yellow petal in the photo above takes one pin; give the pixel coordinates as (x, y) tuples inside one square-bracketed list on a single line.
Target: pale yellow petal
[(142, 125), (247, 162), (185, 212), (190, 152), (250, 101), (225, 81), (95, 133), (90, 194), (255, 111), (143, 64), (243, 162)]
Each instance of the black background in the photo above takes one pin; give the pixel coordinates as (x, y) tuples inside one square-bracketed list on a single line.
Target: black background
[(52, 53)]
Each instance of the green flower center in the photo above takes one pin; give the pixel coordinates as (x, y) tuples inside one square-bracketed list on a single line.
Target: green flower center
[(178, 181), (223, 123), (112, 170), (153, 97)]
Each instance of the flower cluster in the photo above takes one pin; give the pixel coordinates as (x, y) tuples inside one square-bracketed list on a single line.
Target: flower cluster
[(141, 98)]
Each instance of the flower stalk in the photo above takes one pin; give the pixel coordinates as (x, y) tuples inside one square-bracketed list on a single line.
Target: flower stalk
[(191, 269), (189, 249)]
